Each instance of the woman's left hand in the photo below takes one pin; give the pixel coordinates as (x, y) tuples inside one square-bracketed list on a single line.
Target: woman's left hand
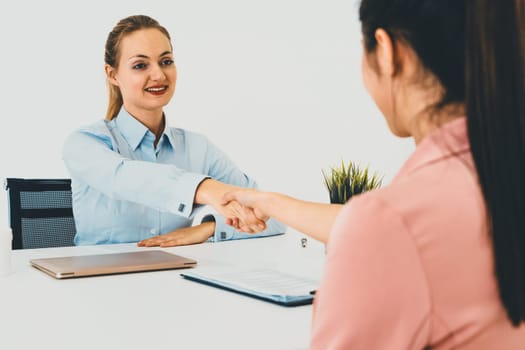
[(182, 236)]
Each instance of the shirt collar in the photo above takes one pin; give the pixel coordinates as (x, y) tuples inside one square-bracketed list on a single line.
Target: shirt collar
[(450, 140), (167, 135), (134, 131)]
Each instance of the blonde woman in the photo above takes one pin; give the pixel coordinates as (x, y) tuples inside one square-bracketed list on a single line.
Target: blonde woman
[(134, 179)]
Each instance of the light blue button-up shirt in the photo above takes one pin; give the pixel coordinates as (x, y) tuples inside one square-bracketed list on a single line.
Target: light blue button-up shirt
[(125, 189)]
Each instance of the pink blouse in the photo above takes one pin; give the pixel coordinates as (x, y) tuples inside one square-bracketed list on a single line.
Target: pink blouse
[(411, 265)]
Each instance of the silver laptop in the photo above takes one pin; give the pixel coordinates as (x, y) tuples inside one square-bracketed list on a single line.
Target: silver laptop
[(113, 263)]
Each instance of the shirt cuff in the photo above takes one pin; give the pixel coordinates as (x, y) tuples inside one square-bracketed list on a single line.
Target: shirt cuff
[(187, 187), (223, 231)]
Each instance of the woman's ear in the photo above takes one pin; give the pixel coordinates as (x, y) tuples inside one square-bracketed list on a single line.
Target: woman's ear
[(110, 74), (385, 55)]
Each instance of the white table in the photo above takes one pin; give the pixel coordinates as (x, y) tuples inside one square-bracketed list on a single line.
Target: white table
[(156, 310)]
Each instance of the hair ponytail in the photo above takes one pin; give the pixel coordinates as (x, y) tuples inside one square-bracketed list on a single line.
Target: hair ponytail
[(495, 102), (115, 101)]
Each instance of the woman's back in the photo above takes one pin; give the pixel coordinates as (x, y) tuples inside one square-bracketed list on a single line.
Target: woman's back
[(411, 265)]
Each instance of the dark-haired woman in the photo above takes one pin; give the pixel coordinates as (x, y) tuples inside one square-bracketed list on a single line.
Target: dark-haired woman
[(134, 179), (437, 258)]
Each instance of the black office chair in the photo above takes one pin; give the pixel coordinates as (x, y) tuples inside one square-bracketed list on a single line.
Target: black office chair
[(40, 212)]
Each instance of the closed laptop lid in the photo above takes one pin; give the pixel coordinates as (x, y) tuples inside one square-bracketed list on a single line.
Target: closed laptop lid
[(104, 264)]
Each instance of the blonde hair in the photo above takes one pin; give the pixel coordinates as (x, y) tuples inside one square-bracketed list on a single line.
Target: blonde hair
[(112, 54)]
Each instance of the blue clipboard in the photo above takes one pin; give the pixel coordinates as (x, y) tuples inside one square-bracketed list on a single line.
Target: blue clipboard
[(279, 299)]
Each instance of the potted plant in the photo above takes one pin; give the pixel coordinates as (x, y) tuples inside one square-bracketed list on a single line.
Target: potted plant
[(347, 180)]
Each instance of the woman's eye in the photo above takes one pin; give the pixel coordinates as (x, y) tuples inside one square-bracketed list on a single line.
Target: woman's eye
[(139, 66), (167, 62)]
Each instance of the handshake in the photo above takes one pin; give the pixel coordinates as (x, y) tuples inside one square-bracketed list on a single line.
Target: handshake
[(244, 209), (247, 210)]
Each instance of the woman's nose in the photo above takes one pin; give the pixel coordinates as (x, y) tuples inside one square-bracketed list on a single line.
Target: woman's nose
[(156, 73)]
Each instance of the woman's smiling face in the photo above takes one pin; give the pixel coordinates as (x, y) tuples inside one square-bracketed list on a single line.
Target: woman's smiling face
[(145, 73)]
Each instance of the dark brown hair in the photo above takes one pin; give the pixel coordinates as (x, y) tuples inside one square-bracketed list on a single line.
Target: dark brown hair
[(475, 48), (112, 54)]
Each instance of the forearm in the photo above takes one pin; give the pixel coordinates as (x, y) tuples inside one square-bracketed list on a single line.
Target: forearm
[(313, 219), (210, 192), (207, 229)]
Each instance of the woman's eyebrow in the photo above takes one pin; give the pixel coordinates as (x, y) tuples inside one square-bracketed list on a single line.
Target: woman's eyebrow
[(138, 56), (147, 57)]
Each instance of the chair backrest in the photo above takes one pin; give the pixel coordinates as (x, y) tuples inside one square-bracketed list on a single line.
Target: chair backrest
[(40, 212)]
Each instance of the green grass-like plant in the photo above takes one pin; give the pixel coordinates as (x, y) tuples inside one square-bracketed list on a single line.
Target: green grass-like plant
[(347, 180)]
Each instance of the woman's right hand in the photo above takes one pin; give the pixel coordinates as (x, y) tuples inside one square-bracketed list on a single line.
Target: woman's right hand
[(212, 192), (246, 219), (252, 202)]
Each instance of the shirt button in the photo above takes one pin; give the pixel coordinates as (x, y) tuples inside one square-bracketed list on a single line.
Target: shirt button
[(152, 231)]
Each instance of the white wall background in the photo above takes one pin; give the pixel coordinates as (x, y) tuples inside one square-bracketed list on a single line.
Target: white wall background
[(276, 84)]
